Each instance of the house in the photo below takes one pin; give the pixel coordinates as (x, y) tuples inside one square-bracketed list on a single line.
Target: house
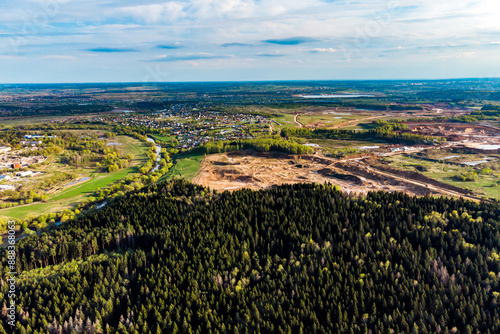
[(15, 165), (24, 174), (4, 177), (6, 187), (32, 143)]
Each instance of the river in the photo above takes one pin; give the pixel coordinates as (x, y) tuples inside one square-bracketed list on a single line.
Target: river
[(158, 155), (158, 158)]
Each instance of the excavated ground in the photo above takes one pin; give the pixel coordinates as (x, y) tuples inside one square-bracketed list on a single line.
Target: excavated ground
[(256, 170)]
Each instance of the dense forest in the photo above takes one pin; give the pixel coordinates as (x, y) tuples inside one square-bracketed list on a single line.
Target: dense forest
[(455, 95), (261, 145), (386, 131), (178, 258), (56, 110)]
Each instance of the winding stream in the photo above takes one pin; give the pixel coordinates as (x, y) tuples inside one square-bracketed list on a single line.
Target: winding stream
[(158, 158), (158, 155)]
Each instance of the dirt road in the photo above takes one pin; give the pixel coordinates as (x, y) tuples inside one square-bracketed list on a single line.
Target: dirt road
[(401, 178), (429, 186), (297, 122), (355, 121)]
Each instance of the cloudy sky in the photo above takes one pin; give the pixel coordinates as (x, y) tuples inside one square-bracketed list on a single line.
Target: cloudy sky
[(225, 40)]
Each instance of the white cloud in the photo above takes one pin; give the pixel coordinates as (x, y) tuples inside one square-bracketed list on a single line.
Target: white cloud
[(321, 50), (169, 11), (367, 29), (7, 57), (60, 57), (203, 10)]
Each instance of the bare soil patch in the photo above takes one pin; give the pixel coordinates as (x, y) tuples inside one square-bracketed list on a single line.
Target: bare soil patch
[(256, 170)]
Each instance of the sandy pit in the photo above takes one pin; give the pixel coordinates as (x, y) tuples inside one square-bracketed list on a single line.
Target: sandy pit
[(256, 170), (457, 131)]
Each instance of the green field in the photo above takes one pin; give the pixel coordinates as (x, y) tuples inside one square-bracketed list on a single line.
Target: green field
[(487, 185), (132, 146), (67, 198), (162, 138), (184, 167), (72, 195), (362, 126), (286, 121), (327, 119)]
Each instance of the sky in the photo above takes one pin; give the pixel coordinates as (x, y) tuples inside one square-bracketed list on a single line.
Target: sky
[(51, 41)]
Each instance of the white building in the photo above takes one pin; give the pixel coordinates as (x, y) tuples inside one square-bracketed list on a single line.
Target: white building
[(32, 143)]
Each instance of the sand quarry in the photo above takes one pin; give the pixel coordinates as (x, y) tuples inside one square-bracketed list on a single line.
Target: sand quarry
[(457, 132), (257, 170)]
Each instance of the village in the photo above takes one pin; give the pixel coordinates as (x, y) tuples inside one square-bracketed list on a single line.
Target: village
[(183, 127), (190, 127)]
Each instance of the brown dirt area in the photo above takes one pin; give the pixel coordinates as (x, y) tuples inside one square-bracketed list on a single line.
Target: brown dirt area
[(256, 170), (455, 131)]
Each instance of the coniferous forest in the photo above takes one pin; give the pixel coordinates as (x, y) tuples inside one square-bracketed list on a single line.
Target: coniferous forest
[(178, 258)]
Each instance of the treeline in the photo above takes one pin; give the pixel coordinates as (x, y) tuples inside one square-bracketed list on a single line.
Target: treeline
[(387, 126), (236, 111), (384, 132), (397, 107), (57, 110), (261, 145), (457, 95), (75, 108), (153, 105), (305, 258), (473, 117), (380, 106), (137, 132), (82, 151), (490, 107), (493, 112)]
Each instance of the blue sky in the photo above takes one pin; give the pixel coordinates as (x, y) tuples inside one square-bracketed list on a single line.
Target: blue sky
[(224, 40)]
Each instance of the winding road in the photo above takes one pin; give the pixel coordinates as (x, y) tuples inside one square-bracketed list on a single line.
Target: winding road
[(355, 121), (297, 122), (425, 185)]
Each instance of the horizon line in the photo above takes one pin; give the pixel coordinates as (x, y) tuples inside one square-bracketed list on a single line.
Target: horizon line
[(241, 81)]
